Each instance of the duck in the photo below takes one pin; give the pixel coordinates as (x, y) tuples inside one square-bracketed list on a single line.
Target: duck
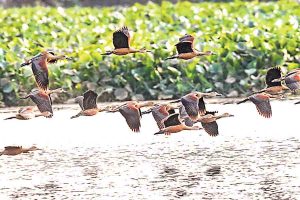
[(131, 111), (42, 100), (25, 113), (121, 42), (209, 122), (194, 103), (186, 50), (88, 104), (174, 124), (39, 66), (160, 112), (261, 102), (291, 79), (15, 150), (274, 88)]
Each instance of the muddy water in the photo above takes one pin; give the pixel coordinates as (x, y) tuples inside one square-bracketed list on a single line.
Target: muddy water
[(99, 158)]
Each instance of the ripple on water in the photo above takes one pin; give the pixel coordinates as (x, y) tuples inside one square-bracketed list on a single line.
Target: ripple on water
[(245, 168)]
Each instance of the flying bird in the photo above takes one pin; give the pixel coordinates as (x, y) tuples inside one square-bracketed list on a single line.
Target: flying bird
[(185, 49), (121, 42)]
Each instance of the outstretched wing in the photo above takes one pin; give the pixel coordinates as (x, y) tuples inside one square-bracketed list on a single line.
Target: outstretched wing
[(272, 74), (40, 72), (211, 128), (42, 100), (172, 120), (184, 47), (262, 103), (89, 100), (132, 117), (190, 106), (121, 38), (201, 106)]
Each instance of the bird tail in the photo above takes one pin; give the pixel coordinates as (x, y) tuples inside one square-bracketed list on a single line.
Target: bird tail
[(107, 53), (10, 118), (243, 101), (297, 102), (172, 57)]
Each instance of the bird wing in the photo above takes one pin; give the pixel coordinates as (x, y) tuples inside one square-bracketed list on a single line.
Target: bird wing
[(211, 128), (79, 100), (293, 81), (272, 74), (42, 101), (201, 106), (121, 38), (89, 100), (187, 38), (172, 120), (190, 106), (132, 117), (12, 147), (40, 72), (158, 116), (262, 103), (184, 47), (185, 116)]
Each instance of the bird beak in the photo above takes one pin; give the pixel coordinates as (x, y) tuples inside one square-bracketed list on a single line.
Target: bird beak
[(212, 53), (231, 115), (219, 95)]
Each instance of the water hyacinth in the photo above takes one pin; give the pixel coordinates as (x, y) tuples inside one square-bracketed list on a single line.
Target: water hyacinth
[(247, 37)]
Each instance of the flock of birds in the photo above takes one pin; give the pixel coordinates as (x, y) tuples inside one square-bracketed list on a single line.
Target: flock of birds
[(191, 107)]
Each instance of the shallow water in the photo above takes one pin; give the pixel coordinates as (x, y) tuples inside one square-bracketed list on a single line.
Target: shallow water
[(99, 158)]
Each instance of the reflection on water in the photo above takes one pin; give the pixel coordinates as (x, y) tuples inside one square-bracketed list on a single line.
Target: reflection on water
[(246, 168)]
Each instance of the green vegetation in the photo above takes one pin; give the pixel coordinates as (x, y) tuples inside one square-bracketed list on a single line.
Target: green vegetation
[(247, 40)]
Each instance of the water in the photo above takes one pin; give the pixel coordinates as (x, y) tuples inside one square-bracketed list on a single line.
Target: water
[(99, 158)]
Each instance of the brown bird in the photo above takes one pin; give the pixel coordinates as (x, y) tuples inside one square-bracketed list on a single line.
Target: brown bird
[(209, 122), (131, 111), (40, 69), (274, 87), (186, 50), (174, 124), (291, 79), (42, 100), (262, 103), (121, 41), (88, 104), (25, 113), (194, 103), (160, 112), (15, 150)]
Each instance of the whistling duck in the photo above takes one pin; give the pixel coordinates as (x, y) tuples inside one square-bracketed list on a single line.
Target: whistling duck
[(121, 42), (262, 103), (208, 120), (131, 111), (160, 112), (42, 100), (194, 103), (25, 114), (174, 124), (15, 150), (209, 124), (40, 69), (88, 104), (274, 87), (186, 50), (291, 79)]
